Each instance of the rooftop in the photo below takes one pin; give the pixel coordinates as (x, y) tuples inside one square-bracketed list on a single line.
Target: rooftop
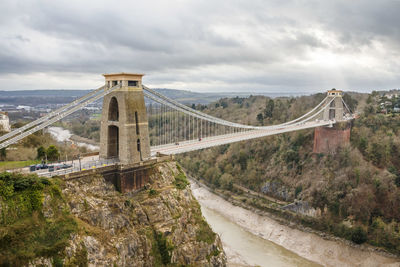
[(335, 91), (123, 74)]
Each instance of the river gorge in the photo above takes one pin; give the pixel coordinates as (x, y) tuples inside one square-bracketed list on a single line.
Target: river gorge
[(253, 240)]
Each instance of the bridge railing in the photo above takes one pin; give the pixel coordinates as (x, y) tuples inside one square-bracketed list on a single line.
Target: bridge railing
[(42, 124), (82, 167)]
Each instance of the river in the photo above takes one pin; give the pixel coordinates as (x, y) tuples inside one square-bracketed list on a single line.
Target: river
[(61, 135), (250, 239), (246, 249)]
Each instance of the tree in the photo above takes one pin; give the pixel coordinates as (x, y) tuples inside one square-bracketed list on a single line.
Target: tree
[(52, 153), (369, 99), (3, 153), (224, 103), (369, 110), (350, 101), (243, 160), (260, 117), (363, 144), (269, 108), (226, 181), (41, 152), (359, 235)]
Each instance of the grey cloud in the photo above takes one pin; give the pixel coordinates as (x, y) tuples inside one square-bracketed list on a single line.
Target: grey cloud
[(265, 45)]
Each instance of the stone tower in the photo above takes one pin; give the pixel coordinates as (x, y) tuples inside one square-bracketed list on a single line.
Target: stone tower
[(124, 127), (335, 109), (329, 139)]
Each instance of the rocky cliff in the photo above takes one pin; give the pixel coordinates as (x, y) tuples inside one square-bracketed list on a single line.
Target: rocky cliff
[(159, 225)]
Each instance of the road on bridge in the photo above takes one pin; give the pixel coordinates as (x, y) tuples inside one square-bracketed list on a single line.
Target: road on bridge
[(191, 145)]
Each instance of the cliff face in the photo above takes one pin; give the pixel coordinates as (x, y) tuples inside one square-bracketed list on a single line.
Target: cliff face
[(160, 225)]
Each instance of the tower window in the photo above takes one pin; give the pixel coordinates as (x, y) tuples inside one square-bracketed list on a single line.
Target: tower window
[(133, 83), (137, 122)]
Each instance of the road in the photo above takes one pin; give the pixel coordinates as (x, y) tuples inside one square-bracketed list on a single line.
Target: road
[(86, 163)]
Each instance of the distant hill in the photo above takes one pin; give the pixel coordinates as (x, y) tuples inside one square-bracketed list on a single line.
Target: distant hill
[(38, 97), (189, 97), (41, 93)]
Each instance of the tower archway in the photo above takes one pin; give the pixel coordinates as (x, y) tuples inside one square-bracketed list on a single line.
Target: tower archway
[(113, 142), (113, 112), (332, 110)]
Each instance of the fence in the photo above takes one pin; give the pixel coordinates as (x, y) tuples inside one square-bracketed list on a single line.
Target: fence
[(77, 167)]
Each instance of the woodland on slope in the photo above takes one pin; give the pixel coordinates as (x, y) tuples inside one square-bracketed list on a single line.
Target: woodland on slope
[(357, 188)]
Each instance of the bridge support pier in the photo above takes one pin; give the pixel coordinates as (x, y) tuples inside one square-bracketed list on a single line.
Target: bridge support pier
[(125, 178), (128, 178), (329, 139)]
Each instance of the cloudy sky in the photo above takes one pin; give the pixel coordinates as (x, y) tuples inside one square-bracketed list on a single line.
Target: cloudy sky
[(248, 45)]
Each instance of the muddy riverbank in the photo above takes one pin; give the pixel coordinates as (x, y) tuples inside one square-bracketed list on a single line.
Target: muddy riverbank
[(306, 245), (246, 249)]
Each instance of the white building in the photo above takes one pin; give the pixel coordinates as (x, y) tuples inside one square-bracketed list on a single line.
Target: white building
[(4, 122)]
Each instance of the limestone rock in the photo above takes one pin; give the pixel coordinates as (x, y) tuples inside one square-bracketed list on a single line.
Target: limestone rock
[(161, 224)]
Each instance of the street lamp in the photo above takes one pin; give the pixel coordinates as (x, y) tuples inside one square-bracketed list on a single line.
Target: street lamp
[(79, 158)]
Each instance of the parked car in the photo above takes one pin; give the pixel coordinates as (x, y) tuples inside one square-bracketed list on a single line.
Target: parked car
[(66, 166), (41, 166), (58, 166), (44, 166), (55, 167), (36, 167)]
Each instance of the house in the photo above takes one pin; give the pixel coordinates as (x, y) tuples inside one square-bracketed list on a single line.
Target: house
[(392, 94), (5, 122)]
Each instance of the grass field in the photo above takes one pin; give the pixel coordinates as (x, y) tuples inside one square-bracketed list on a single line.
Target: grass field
[(7, 165)]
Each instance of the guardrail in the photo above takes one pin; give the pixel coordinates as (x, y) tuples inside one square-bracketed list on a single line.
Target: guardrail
[(81, 167), (104, 163)]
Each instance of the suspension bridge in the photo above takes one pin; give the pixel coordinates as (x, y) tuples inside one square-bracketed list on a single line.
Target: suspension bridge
[(138, 122)]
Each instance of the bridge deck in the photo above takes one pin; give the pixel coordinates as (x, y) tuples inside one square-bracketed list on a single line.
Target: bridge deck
[(94, 162), (191, 145)]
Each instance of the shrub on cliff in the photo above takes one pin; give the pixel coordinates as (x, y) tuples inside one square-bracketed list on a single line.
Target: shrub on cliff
[(204, 233), (163, 246), (26, 232), (359, 235), (181, 181)]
